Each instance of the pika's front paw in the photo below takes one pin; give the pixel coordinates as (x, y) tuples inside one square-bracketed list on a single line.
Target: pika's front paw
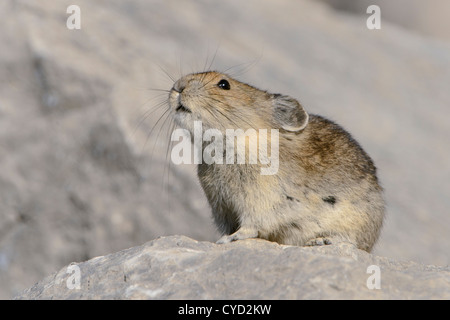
[(227, 239), (318, 242), (241, 234)]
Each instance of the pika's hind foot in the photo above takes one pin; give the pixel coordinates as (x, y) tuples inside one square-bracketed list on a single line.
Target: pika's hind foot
[(318, 242)]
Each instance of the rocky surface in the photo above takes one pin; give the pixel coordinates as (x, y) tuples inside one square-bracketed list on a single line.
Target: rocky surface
[(178, 267), (426, 17), (83, 174)]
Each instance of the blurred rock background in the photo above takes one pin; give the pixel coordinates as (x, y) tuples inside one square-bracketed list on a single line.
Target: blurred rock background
[(428, 18), (83, 174)]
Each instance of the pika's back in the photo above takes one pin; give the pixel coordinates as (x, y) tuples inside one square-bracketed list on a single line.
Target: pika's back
[(324, 146)]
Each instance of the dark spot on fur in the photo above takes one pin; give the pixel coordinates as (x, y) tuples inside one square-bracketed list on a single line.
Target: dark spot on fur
[(294, 225), (291, 198), (330, 199)]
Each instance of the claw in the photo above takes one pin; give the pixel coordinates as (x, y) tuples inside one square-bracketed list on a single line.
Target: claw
[(319, 242)]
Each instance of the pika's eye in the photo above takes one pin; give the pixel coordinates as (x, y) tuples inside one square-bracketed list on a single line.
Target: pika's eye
[(224, 84)]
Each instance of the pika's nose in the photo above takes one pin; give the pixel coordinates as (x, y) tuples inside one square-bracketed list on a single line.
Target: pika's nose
[(179, 86)]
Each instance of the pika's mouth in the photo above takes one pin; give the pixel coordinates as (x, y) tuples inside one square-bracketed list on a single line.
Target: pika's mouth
[(182, 108)]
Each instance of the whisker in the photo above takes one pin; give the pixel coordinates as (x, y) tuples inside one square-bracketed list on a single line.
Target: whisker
[(168, 161), (213, 114), (148, 113), (209, 81), (236, 111), (248, 66), (226, 116), (214, 57), (181, 66), (166, 73), (168, 116), (155, 89), (152, 98), (206, 61), (165, 113)]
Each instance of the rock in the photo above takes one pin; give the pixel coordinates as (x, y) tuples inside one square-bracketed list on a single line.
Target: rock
[(178, 267), (428, 18)]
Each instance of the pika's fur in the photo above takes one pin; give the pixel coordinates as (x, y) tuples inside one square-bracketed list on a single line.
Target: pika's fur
[(325, 191)]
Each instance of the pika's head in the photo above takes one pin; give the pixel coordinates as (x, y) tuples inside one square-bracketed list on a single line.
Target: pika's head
[(222, 102)]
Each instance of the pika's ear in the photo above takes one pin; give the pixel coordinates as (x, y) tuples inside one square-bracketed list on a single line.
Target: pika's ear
[(289, 114)]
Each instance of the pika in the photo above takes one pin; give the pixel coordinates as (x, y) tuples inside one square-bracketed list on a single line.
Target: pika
[(325, 190)]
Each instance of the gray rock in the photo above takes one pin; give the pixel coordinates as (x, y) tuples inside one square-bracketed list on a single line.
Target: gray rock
[(178, 267), (81, 175), (427, 18)]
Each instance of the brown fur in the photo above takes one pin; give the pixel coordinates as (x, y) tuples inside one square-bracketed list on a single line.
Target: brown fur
[(325, 191)]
